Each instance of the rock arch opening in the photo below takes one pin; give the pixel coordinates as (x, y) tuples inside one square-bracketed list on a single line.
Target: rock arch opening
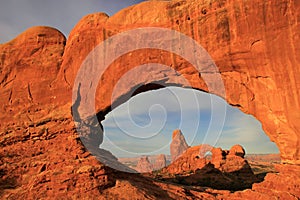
[(140, 126)]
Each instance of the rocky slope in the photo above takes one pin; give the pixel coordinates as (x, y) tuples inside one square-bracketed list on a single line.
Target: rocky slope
[(255, 45)]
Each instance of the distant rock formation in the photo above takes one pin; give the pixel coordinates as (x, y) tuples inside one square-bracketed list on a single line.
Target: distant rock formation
[(160, 162), (225, 161), (178, 145), (237, 150), (224, 169), (271, 158), (232, 160), (144, 165), (189, 160)]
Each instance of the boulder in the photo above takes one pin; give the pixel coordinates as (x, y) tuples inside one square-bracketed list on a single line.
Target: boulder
[(237, 150)]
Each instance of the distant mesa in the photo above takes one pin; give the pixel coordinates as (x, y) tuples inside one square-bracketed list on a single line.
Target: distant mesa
[(144, 165), (160, 162), (151, 163)]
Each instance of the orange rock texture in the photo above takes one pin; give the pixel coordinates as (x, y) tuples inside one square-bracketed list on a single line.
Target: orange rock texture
[(255, 45), (194, 158), (245, 39)]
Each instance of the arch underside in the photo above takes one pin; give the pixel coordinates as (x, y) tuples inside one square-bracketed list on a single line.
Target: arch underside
[(178, 72), (255, 51)]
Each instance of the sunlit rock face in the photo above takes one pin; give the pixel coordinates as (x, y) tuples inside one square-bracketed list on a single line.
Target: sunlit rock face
[(260, 74), (223, 170), (237, 150), (193, 158), (254, 44)]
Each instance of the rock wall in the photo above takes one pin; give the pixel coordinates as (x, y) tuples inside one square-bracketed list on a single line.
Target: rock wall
[(255, 45), (245, 39), (41, 155)]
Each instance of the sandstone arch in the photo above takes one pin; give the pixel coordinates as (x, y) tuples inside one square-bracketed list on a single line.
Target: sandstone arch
[(261, 76), (255, 44)]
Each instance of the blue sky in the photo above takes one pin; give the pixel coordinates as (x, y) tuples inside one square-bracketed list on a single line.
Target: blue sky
[(18, 15), (144, 124)]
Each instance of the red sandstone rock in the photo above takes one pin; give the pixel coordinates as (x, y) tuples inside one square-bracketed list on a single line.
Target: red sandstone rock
[(237, 150), (255, 45), (284, 184), (250, 62), (178, 145), (188, 161), (222, 171), (218, 157), (192, 159)]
